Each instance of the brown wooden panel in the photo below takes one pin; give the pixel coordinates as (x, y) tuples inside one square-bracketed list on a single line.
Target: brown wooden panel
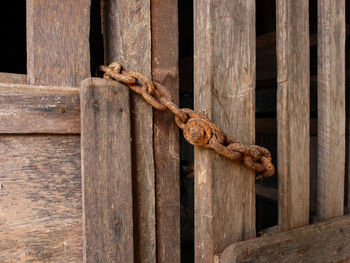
[(331, 108), (106, 172), (58, 41), (325, 242), (293, 113), (13, 78), (39, 109), (127, 36), (40, 192), (166, 137), (224, 78)]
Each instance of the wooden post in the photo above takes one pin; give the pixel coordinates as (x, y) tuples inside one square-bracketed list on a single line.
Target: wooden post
[(293, 140), (127, 37), (106, 172), (331, 108), (224, 78), (165, 135)]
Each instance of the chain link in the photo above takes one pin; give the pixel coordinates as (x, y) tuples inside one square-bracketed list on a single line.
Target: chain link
[(197, 128)]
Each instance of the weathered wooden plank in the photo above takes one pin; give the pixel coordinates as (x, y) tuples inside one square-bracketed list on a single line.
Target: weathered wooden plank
[(58, 42), (166, 137), (331, 108), (39, 109), (12, 78), (127, 37), (328, 241), (293, 113), (106, 172), (40, 193), (224, 78)]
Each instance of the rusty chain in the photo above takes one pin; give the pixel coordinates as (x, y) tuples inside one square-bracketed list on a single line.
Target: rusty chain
[(197, 128)]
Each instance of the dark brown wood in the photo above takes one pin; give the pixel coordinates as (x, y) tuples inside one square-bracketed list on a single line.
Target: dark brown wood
[(40, 193), (127, 36), (328, 241), (331, 108), (12, 78), (224, 89), (293, 113), (58, 42), (166, 137), (39, 109), (266, 192), (106, 171)]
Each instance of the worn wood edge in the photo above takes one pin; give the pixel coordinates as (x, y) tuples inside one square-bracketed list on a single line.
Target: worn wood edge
[(307, 241), (13, 78), (29, 109), (115, 242)]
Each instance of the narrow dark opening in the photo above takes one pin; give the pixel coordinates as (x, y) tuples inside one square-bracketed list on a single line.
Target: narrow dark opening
[(96, 37), (13, 37), (185, 9), (266, 99)]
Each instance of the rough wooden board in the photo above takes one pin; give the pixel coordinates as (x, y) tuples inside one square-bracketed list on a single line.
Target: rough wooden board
[(331, 109), (13, 78), (106, 172), (39, 109), (58, 41), (40, 193), (328, 241), (127, 38), (293, 112), (166, 136), (224, 78)]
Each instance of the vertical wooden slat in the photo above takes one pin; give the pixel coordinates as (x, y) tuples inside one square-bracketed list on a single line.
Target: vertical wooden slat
[(224, 76), (58, 54), (293, 113), (166, 137), (58, 42), (331, 108), (127, 37), (106, 172)]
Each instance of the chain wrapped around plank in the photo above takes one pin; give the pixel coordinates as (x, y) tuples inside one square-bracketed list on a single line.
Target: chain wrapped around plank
[(197, 128)]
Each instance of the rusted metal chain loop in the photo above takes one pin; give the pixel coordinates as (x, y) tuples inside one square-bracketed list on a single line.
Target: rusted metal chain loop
[(197, 127)]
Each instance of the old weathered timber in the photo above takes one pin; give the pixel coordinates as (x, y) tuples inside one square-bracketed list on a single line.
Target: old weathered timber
[(40, 193), (165, 134), (127, 37), (12, 78), (41, 174), (106, 171), (58, 42), (328, 241), (224, 89), (293, 113), (39, 109), (331, 108)]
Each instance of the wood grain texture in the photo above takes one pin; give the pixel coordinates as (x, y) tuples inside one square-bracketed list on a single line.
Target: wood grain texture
[(40, 193), (127, 37), (166, 137), (331, 108), (106, 172), (224, 89), (328, 241), (58, 42), (39, 109), (293, 113), (13, 78)]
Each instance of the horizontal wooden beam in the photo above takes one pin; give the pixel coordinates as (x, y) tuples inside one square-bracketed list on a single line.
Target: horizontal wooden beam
[(39, 109), (328, 241)]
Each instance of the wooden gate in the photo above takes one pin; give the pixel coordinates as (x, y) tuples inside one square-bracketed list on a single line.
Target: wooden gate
[(90, 172)]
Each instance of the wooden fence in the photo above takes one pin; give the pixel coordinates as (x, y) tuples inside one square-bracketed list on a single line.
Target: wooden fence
[(89, 172)]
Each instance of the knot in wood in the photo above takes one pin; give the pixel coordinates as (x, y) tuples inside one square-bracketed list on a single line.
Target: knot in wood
[(197, 132)]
